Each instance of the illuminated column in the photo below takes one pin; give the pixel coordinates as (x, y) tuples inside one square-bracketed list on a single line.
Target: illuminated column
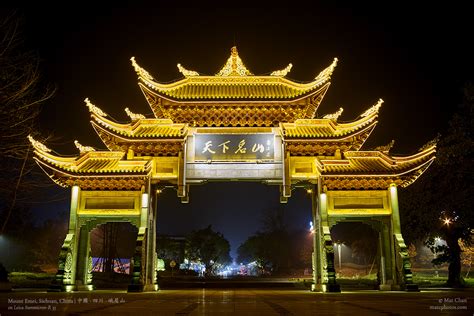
[(316, 255), (84, 261), (328, 272), (286, 186), (140, 257), (401, 262), (396, 227), (65, 279), (150, 279), (386, 255), (182, 188)]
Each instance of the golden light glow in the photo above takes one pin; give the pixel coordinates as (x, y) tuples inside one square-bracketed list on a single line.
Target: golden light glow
[(134, 116), (447, 221), (334, 116), (328, 71), (431, 143), (234, 66), (374, 109), (283, 72), (94, 109), (187, 73), (38, 145), (234, 99), (83, 149), (323, 128), (140, 71), (386, 148)]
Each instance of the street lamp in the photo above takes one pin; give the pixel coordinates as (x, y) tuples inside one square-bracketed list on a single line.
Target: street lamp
[(447, 221)]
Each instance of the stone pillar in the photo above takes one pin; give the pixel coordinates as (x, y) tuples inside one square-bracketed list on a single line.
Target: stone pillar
[(150, 281), (326, 259), (386, 255), (316, 255), (65, 279), (401, 261), (84, 261), (143, 258)]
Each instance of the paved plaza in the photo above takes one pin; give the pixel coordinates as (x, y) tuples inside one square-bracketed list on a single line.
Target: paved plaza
[(238, 302)]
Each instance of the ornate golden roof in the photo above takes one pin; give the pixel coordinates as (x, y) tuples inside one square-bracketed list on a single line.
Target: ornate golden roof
[(142, 128), (374, 169), (323, 137), (327, 127), (235, 113), (234, 97), (145, 137), (233, 82), (100, 166)]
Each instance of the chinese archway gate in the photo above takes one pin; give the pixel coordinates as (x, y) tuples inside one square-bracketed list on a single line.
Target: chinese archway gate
[(233, 126)]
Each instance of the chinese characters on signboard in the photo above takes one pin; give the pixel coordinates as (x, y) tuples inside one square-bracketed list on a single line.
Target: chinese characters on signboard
[(234, 146)]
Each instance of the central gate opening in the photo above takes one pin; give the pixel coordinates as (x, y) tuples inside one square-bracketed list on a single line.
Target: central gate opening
[(266, 238)]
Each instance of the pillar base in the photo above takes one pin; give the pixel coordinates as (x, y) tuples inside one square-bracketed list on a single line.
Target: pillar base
[(385, 287), (332, 288), (88, 287), (150, 288), (326, 288)]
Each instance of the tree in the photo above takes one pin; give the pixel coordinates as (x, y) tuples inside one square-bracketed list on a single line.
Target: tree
[(209, 247), (269, 248), (46, 243), (170, 249), (256, 249), (467, 256), (440, 203), (21, 99)]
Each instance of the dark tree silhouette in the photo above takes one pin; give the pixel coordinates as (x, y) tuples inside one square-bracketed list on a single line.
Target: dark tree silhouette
[(21, 99), (440, 203), (209, 247)]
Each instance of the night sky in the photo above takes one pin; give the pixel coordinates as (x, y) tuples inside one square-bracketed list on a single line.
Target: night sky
[(415, 58)]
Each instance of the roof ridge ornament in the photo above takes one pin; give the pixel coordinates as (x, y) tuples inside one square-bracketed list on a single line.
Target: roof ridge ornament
[(83, 149), (234, 66), (334, 116), (373, 109), (431, 143), (38, 145), (186, 72), (94, 109), (327, 73), (140, 71), (134, 116), (386, 148), (283, 72)]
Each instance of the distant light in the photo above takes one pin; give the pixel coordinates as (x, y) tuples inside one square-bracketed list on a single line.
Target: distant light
[(447, 221), (309, 191)]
